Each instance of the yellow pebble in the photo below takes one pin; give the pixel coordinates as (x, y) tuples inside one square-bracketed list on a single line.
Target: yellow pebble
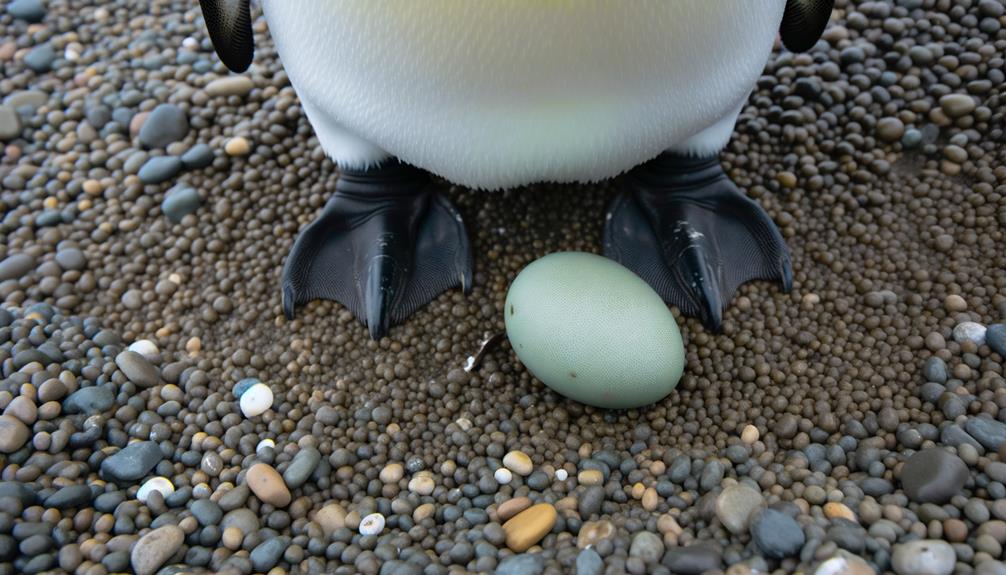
[(518, 462), (237, 147), (750, 434), (590, 477), (194, 345), (50, 203), (529, 526), (637, 491), (836, 510)]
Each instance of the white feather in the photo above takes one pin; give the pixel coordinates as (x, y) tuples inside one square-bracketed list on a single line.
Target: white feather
[(499, 93)]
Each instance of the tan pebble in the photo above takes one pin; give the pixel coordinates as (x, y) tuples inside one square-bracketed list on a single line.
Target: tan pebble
[(650, 499), (423, 511), (593, 532), (955, 303), (422, 484), (136, 123), (50, 203), (836, 510), (566, 504), (232, 538), (787, 179), (518, 462), (353, 520), (529, 527), (391, 473), (590, 477), (267, 484), (955, 530), (237, 147), (668, 524), (750, 434), (512, 507), (658, 468), (330, 518), (637, 491), (194, 345)]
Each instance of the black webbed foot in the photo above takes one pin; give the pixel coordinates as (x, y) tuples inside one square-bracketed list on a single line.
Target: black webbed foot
[(686, 229), (385, 245)]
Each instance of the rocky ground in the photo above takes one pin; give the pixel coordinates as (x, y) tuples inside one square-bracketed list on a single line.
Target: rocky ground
[(160, 415)]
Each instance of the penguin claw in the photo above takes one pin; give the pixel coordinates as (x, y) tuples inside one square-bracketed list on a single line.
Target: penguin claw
[(385, 245), (687, 230)]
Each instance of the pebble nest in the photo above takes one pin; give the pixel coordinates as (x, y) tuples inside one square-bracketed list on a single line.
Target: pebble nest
[(148, 201)]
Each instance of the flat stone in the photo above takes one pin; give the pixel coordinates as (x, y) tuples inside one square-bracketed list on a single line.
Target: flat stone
[(923, 557), (10, 123), (989, 432), (933, 475), (776, 534), (70, 497), (529, 526), (13, 434), (267, 554), (156, 547), (32, 11), (31, 99), (243, 519), (159, 169), (267, 484), (230, 86), (137, 369), (207, 512), (198, 156), (692, 560), (132, 462), (40, 58), (523, 564), (71, 259), (89, 400), (995, 337), (16, 266), (735, 505), (301, 468), (166, 124)]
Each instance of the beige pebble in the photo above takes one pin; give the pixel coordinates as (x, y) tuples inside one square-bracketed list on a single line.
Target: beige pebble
[(424, 511), (267, 484), (836, 510), (529, 527), (955, 303), (650, 499), (237, 146), (391, 473), (422, 484), (590, 477), (232, 538), (518, 462), (512, 507), (750, 434), (330, 517)]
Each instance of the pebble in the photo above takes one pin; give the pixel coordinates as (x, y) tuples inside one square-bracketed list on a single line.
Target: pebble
[(237, 146), (588, 562), (776, 534), (156, 547), (267, 484), (89, 400), (159, 169), (372, 524), (933, 475), (40, 58), (197, 157), (132, 462), (257, 400), (647, 546), (16, 266), (890, 129), (230, 86), (970, 331), (179, 202), (167, 123), (32, 11), (995, 337), (692, 560), (838, 510), (267, 554), (503, 476), (523, 564), (10, 123), (331, 518), (162, 485), (13, 434), (137, 369), (512, 507), (529, 526), (207, 512), (391, 473), (70, 497), (301, 468), (923, 557), (590, 501), (593, 532), (990, 433), (957, 105), (71, 259), (734, 507), (844, 565), (518, 462), (146, 348), (935, 370)]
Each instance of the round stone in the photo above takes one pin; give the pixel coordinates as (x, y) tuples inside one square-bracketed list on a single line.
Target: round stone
[(159, 169), (237, 147), (161, 484), (890, 129), (13, 434), (145, 347), (137, 369), (933, 476), (995, 337), (503, 476), (776, 534), (257, 400), (518, 462), (957, 105), (372, 524), (179, 202), (735, 505), (923, 557), (267, 484), (10, 123), (32, 11), (970, 331)]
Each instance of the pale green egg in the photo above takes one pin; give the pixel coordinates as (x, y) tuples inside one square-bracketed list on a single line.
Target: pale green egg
[(594, 331)]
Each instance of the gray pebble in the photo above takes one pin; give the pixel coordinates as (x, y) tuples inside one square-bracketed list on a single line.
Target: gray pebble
[(10, 123), (69, 497), (159, 169), (32, 11), (179, 202), (692, 560), (132, 462), (933, 476), (16, 266), (268, 553), (935, 369), (590, 501), (40, 58), (588, 562), (995, 337), (197, 157), (923, 557), (89, 400), (989, 432), (167, 123), (776, 534), (137, 369), (71, 259), (523, 564), (302, 466)]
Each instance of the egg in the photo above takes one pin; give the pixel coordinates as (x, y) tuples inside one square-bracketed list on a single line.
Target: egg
[(593, 331)]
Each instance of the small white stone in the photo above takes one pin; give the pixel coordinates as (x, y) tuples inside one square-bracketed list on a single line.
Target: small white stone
[(265, 443), (144, 347), (71, 54), (372, 524), (162, 484), (190, 43), (970, 331), (561, 474), (175, 279), (503, 476), (257, 400)]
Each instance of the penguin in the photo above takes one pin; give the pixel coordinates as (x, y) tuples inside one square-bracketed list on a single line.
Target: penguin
[(494, 94)]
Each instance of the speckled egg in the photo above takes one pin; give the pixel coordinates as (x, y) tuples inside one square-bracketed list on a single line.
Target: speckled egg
[(594, 331)]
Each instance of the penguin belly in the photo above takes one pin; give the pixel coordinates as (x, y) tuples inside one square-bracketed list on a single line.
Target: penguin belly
[(499, 93)]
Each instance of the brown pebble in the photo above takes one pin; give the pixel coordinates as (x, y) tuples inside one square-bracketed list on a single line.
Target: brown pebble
[(529, 526), (267, 484)]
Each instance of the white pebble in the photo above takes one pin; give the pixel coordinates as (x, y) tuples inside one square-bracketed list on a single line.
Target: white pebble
[(503, 476), (970, 331), (372, 524), (71, 54), (265, 443), (257, 400), (162, 484), (561, 474), (144, 347), (190, 43)]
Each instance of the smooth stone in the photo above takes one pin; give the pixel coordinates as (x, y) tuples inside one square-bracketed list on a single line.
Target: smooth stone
[(518, 462), (935, 369), (933, 475), (40, 58), (162, 485), (267, 484), (647, 546), (257, 400), (267, 554), (179, 202), (18, 490), (144, 347), (529, 526), (923, 557), (330, 518), (156, 547), (995, 337), (26, 99), (957, 105), (166, 124), (588, 562), (230, 86), (590, 501), (16, 266), (989, 432), (132, 462), (13, 434), (69, 497), (512, 507), (137, 369), (10, 123), (523, 564), (372, 524), (844, 565), (244, 385), (71, 259), (243, 519), (692, 560), (206, 511), (197, 157), (32, 11), (735, 505), (89, 400), (970, 331), (890, 129), (159, 169), (301, 468), (776, 534)]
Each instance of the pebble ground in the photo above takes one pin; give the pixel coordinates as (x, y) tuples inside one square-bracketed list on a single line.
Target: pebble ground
[(854, 426)]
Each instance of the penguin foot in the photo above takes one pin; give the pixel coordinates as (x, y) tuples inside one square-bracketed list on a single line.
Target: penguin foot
[(683, 226), (385, 245)]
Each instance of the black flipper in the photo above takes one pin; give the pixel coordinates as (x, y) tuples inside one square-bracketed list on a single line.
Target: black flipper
[(385, 245), (803, 22), (229, 24), (686, 229)]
